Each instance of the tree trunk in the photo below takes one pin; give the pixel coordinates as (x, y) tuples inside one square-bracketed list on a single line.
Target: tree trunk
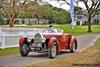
[(11, 22), (38, 21), (89, 23)]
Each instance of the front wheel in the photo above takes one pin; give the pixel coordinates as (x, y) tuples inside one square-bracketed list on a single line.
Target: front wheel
[(73, 47), (52, 51), (24, 50)]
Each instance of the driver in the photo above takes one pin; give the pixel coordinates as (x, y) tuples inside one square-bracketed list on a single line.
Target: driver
[(50, 29)]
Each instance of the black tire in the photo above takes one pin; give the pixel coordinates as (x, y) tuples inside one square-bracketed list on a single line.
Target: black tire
[(73, 47), (24, 50), (52, 51)]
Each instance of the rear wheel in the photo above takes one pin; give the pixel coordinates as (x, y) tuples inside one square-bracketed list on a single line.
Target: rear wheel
[(52, 51), (24, 50), (73, 47)]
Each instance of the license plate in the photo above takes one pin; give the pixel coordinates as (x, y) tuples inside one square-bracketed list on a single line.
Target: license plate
[(37, 45), (37, 48)]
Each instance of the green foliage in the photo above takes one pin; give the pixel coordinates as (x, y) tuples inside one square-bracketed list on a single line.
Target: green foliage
[(57, 15), (34, 10), (1, 17), (53, 14), (98, 13)]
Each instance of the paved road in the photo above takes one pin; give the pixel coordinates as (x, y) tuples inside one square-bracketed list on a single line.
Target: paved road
[(84, 41)]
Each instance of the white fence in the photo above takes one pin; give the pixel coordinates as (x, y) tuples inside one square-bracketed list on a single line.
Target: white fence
[(8, 40), (10, 37)]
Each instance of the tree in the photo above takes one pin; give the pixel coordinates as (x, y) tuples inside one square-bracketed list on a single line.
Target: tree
[(39, 13), (34, 9), (92, 7), (92, 10), (56, 15), (12, 8)]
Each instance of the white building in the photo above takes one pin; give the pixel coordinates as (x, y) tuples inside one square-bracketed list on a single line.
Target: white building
[(27, 21), (82, 19)]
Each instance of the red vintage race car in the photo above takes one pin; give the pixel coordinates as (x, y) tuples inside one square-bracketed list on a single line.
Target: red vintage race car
[(44, 41)]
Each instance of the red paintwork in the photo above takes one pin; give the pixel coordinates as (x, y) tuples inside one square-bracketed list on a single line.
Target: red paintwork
[(73, 38), (63, 41), (52, 39), (21, 41)]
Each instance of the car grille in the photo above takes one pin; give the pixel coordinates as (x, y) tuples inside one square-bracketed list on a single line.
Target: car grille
[(37, 40)]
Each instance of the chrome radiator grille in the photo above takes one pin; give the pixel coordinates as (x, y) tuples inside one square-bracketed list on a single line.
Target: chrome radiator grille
[(37, 40)]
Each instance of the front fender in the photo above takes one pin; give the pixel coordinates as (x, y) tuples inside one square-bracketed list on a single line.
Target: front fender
[(22, 41), (73, 39), (53, 39)]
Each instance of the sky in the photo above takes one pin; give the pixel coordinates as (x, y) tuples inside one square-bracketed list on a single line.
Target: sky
[(64, 6)]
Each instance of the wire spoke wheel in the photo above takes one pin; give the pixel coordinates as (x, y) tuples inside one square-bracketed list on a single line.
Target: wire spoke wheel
[(52, 51), (73, 47), (24, 50)]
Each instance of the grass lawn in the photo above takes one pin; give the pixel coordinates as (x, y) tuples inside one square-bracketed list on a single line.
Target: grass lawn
[(79, 30), (88, 58), (67, 28), (8, 51)]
